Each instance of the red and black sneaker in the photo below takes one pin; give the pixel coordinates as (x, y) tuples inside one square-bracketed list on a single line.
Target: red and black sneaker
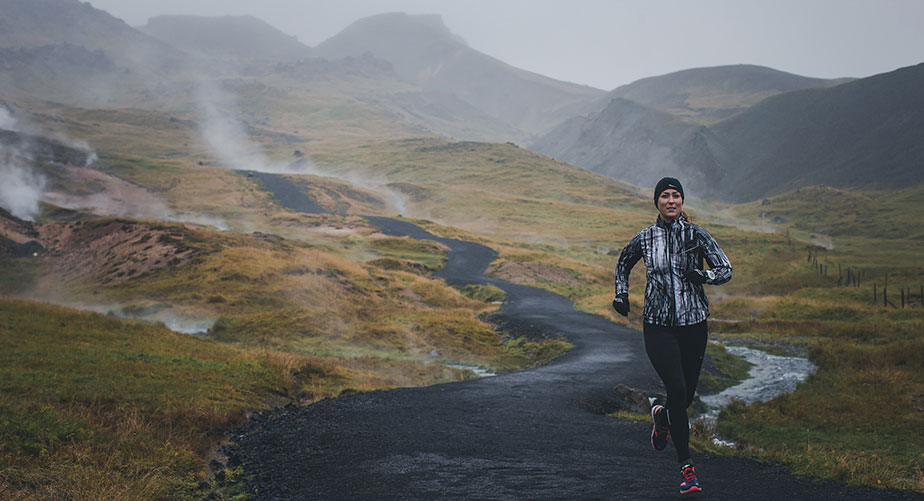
[(659, 434), (689, 485)]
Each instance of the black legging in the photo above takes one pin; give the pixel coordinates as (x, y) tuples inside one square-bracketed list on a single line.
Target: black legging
[(677, 355)]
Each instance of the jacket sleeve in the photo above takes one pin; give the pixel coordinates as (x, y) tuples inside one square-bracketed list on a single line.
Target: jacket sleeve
[(630, 255), (718, 262)]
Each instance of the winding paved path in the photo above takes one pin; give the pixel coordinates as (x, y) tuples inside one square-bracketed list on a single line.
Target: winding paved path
[(524, 435)]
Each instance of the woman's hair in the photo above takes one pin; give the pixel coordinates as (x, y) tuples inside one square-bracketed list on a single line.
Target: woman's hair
[(686, 216)]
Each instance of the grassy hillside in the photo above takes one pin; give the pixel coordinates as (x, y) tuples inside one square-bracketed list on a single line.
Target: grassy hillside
[(291, 322), (97, 407)]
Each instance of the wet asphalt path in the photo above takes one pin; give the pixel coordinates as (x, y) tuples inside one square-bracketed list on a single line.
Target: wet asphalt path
[(537, 434)]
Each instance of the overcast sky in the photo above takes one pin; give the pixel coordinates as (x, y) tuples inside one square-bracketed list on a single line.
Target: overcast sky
[(608, 43)]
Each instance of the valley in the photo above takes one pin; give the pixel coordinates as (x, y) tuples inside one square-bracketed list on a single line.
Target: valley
[(139, 203)]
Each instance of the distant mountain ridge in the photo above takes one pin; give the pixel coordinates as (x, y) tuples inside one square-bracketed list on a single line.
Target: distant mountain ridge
[(36, 23), (226, 37), (706, 95), (70, 52), (424, 51), (863, 133)]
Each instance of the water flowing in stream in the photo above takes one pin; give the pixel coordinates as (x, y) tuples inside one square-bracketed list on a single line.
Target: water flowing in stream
[(770, 376)]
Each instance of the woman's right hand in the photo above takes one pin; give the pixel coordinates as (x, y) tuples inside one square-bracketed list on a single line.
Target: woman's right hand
[(621, 304)]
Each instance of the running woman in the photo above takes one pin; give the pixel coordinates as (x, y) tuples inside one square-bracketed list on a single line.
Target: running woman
[(675, 312)]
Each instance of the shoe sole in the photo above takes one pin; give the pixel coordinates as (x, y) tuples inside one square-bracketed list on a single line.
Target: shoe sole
[(692, 490), (654, 428)]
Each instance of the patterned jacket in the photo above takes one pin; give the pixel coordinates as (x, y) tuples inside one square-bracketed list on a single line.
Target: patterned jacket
[(670, 250)]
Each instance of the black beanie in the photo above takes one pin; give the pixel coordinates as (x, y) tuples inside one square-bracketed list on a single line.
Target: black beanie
[(667, 183)]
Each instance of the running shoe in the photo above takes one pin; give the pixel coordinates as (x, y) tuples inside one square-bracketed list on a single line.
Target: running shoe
[(659, 434), (689, 485)]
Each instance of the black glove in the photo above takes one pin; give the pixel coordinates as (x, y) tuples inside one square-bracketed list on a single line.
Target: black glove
[(699, 277), (621, 304)]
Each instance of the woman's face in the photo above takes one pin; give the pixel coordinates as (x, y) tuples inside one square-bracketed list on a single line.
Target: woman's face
[(670, 203)]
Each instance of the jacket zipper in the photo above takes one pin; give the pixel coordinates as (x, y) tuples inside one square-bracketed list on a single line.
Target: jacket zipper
[(670, 271)]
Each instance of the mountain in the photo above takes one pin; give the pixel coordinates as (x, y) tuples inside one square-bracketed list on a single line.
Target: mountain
[(707, 95), (636, 144), (226, 37), (36, 23), (425, 52), (69, 52), (50, 71), (863, 133)]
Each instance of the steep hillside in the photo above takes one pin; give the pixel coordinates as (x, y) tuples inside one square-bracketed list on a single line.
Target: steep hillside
[(67, 51), (425, 52), (36, 72), (707, 95), (226, 37), (639, 145), (36, 23), (866, 133)]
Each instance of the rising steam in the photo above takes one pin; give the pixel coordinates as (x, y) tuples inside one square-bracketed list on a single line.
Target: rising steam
[(228, 139), (20, 187), (227, 136)]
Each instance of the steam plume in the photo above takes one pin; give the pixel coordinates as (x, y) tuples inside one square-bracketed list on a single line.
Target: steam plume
[(229, 141), (227, 136), (20, 187)]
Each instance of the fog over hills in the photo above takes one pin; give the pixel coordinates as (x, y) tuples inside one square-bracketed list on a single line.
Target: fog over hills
[(226, 37), (737, 132), (70, 52), (425, 52), (37, 23)]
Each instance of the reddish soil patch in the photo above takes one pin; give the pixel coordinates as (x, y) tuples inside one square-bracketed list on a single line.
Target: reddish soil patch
[(110, 253)]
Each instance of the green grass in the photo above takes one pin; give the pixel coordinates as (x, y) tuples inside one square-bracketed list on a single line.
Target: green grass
[(93, 406), (729, 370), (486, 293), (428, 253), (857, 418)]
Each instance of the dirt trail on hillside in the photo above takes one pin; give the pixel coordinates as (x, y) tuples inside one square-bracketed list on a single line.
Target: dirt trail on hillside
[(537, 434)]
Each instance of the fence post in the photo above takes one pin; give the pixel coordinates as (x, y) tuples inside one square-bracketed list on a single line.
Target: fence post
[(875, 296), (885, 291)]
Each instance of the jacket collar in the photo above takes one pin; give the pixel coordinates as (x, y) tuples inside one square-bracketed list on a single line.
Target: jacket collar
[(678, 223)]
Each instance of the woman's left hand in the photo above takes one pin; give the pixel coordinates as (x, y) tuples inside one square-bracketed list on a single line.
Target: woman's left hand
[(699, 277)]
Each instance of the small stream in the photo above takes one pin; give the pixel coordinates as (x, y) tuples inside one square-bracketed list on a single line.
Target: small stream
[(479, 371), (770, 376)]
